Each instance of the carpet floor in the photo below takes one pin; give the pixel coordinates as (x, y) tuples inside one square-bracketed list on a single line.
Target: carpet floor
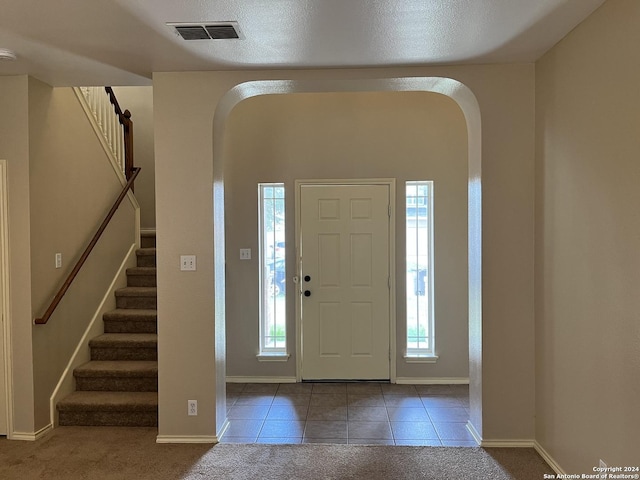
[(107, 453)]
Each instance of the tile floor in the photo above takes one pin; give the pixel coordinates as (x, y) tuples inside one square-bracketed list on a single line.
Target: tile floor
[(355, 413)]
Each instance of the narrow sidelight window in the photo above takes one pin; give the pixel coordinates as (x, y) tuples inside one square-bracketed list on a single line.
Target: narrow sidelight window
[(419, 268), (271, 228)]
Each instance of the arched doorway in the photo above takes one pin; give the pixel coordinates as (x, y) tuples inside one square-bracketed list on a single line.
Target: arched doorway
[(469, 106)]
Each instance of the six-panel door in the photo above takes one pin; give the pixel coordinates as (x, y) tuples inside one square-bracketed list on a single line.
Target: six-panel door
[(344, 231)]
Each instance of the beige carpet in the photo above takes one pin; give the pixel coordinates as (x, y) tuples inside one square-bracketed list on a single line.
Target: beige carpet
[(131, 453)]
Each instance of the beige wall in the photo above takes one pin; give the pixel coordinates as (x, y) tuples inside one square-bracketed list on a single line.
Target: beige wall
[(14, 148), (139, 101), (184, 106), (588, 233), (402, 135)]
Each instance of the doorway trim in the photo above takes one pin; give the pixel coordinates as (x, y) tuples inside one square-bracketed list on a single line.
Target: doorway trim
[(391, 183), (5, 323)]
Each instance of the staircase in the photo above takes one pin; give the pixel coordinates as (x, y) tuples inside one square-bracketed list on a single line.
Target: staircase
[(119, 386)]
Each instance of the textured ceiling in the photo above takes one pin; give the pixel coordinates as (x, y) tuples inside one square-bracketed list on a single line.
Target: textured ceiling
[(121, 42)]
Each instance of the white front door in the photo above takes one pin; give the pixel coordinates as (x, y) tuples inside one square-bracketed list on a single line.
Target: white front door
[(344, 251)]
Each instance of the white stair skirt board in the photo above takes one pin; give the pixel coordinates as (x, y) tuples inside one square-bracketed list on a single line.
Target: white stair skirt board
[(433, 381), (261, 379)]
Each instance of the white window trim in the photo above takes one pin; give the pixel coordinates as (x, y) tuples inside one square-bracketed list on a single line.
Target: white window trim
[(266, 353), (421, 358), (424, 355), (273, 357)]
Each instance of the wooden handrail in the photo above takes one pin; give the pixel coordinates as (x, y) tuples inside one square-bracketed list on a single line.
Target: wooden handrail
[(127, 126), (67, 283)]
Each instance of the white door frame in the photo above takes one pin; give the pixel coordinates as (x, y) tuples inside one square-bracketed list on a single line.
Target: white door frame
[(391, 183), (5, 323)]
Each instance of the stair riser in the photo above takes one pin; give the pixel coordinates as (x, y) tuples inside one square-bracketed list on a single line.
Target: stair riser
[(147, 242), (146, 260), (117, 384), (141, 281), (126, 354), (102, 419), (136, 302), (119, 326)]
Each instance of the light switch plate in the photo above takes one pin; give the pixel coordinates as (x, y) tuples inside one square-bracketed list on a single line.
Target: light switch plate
[(187, 263), (245, 254)]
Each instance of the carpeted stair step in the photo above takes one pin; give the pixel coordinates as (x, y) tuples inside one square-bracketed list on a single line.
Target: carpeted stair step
[(141, 277), (131, 321), (146, 257), (118, 387), (148, 240), (124, 346), (136, 297), (117, 376), (131, 409)]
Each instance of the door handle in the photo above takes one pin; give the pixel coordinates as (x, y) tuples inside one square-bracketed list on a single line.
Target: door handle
[(307, 293), (307, 278)]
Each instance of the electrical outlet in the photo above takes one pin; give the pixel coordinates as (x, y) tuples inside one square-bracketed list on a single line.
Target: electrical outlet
[(192, 407), (58, 260), (245, 254), (188, 263)]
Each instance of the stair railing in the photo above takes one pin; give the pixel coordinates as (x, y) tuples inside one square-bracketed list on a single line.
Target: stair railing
[(117, 129), (67, 283)]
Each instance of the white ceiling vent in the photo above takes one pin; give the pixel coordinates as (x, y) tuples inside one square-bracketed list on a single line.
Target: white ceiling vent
[(207, 31)]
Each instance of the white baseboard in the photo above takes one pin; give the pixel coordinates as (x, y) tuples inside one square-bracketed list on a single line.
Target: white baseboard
[(522, 443), (31, 437), (433, 381), (261, 379), (194, 438), (505, 443), (548, 458), (187, 439), (400, 380)]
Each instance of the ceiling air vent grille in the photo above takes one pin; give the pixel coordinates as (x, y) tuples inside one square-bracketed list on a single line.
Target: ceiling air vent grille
[(221, 31), (193, 33), (207, 31)]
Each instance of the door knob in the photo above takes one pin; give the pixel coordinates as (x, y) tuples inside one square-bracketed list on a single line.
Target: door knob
[(307, 293), (307, 278)]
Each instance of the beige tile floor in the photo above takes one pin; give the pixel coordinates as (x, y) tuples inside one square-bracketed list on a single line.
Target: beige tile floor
[(356, 413)]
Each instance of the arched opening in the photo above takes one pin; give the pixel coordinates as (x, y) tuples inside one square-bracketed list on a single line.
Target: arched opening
[(452, 89)]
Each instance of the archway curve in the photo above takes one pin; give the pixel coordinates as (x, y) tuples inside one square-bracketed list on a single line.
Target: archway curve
[(467, 102)]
